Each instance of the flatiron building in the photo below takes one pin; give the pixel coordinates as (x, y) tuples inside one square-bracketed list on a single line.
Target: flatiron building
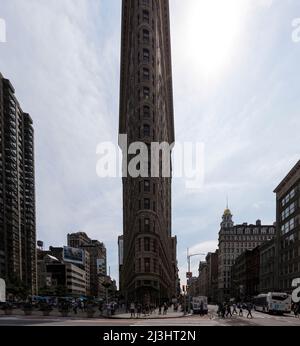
[(149, 267)]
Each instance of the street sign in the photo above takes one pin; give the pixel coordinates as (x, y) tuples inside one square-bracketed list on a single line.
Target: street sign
[(189, 275)]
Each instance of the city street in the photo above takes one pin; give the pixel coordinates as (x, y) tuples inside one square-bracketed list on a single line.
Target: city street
[(212, 319)]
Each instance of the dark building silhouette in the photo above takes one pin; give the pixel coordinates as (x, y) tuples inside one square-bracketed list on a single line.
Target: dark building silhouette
[(288, 234), (267, 267), (17, 192), (149, 270), (245, 275)]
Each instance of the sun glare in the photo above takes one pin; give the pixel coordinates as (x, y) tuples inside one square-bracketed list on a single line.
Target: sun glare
[(212, 30)]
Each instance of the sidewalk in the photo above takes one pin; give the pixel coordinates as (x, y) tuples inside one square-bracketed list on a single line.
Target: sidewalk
[(153, 316)]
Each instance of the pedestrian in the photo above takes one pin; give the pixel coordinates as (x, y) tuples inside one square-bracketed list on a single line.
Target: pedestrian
[(296, 310), (249, 309), (159, 310), (101, 309), (223, 310), (113, 309), (201, 309), (234, 312), (241, 313), (132, 310), (228, 311), (139, 310), (165, 308), (75, 308)]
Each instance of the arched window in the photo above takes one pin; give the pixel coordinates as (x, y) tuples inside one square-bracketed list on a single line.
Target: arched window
[(146, 36), (146, 111), (146, 130)]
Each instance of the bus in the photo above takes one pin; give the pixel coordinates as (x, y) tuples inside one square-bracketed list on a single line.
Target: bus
[(273, 303)]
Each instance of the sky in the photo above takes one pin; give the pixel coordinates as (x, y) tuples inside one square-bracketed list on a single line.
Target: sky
[(236, 90)]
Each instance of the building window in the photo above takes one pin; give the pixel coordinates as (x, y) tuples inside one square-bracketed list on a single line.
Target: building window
[(146, 186), (146, 36), (288, 197), (147, 244), (146, 55), (146, 130), (146, 73), (154, 246), (146, 16), (288, 211), (146, 93), (147, 265), (155, 265), (147, 225), (146, 203), (288, 226), (146, 111), (145, 2)]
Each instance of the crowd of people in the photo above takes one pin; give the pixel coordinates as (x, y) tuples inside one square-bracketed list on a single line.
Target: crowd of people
[(227, 310), (138, 310)]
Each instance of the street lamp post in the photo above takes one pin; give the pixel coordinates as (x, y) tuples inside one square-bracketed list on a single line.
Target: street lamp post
[(189, 256)]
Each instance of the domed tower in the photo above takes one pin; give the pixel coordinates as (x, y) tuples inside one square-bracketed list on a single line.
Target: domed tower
[(225, 234), (227, 221)]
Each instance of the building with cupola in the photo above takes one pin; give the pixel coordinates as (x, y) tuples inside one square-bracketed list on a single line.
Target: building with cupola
[(234, 240)]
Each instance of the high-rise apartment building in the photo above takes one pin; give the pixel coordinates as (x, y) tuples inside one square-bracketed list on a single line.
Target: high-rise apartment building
[(233, 241), (17, 192), (149, 272), (288, 229)]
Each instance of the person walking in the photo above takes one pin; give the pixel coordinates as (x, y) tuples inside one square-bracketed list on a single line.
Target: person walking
[(249, 309), (223, 310), (75, 306), (201, 309), (132, 310), (165, 308), (241, 313), (139, 310), (234, 312), (228, 309), (296, 310)]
